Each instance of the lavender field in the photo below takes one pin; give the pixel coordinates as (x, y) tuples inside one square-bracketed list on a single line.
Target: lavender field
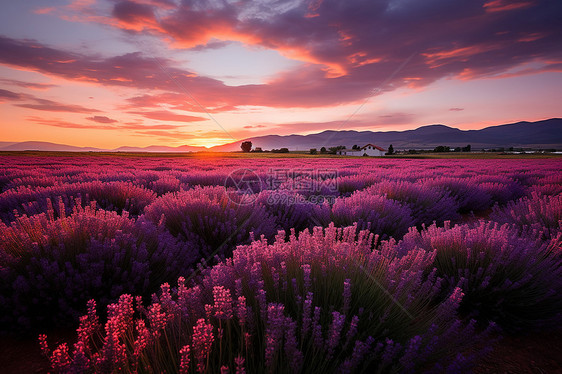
[(290, 265)]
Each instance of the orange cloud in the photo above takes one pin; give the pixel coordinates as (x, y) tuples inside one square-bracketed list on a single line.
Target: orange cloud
[(435, 59)]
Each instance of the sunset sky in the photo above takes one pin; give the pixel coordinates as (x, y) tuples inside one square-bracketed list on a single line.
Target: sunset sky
[(107, 73)]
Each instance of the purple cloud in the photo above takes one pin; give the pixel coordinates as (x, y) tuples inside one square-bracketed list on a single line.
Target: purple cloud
[(351, 49), (9, 95), (34, 86), (53, 106)]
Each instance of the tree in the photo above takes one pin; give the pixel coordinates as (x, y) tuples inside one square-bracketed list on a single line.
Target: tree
[(466, 149), (334, 150), (258, 149), (441, 148), (323, 150), (390, 150), (246, 146), (313, 151), (355, 147)]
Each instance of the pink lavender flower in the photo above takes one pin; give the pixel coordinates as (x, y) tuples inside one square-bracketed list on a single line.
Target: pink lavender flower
[(203, 339), (44, 345), (80, 361), (239, 361), (60, 358), (223, 302), (241, 311), (144, 336), (184, 359), (89, 324)]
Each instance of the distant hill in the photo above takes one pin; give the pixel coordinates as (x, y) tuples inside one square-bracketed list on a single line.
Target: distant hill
[(45, 146), (539, 134), (54, 147)]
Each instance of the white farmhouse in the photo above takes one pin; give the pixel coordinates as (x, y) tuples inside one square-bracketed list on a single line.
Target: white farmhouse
[(366, 150)]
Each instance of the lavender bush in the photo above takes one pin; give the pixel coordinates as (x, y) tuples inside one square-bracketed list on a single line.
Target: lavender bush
[(511, 280), (50, 267), (207, 217), (118, 196), (324, 302), (152, 227), (469, 196), (428, 204), (382, 216), (539, 213), (292, 210)]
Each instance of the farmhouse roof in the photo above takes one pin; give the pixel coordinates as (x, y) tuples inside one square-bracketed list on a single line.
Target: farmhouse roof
[(374, 146)]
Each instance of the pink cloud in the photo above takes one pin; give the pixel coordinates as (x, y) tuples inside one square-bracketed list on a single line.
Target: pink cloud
[(64, 124), (100, 125), (101, 119), (163, 115)]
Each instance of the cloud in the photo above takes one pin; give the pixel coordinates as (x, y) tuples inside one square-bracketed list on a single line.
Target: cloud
[(37, 103), (6, 95), (101, 119), (163, 115), (134, 15), (456, 109), (178, 101), (395, 119), (34, 86), (350, 50), (341, 37), (55, 122), (53, 106), (183, 135), (503, 5), (300, 127), (138, 128)]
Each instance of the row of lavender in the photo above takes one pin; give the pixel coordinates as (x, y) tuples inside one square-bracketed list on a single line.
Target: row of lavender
[(327, 302), (114, 225)]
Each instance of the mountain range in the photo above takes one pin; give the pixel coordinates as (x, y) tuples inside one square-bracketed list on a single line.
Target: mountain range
[(539, 134)]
